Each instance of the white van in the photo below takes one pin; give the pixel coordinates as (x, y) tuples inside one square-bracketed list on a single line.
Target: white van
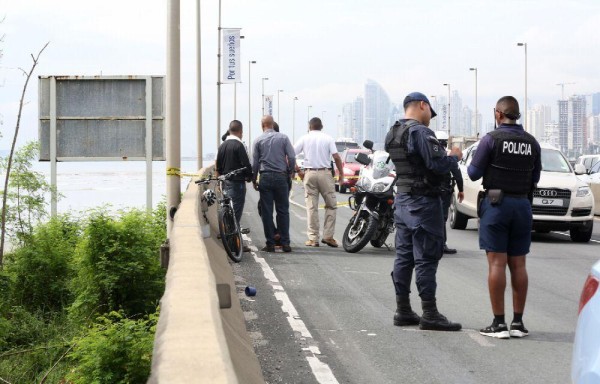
[(561, 200)]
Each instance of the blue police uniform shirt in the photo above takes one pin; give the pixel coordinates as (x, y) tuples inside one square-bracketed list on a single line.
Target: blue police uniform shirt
[(485, 151), (423, 143)]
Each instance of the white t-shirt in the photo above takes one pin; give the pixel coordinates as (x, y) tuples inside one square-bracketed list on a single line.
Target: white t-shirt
[(318, 147)]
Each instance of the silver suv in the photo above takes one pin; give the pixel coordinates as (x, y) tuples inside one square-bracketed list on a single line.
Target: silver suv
[(561, 200)]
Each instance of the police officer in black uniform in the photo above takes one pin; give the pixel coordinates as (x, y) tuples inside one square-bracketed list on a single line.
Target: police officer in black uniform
[(451, 179), (421, 163), (509, 161)]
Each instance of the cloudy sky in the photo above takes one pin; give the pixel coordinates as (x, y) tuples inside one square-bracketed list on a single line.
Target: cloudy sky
[(319, 51)]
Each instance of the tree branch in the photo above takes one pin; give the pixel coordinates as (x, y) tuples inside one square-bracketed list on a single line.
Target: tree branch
[(12, 151)]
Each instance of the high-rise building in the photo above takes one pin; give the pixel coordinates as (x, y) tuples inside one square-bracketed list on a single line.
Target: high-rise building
[(537, 118), (352, 120), (563, 125), (358, 108), (573, 136), (596, 104), (466, 119), (456, 120), (551, 134), (346, 129), (377, 113), (593, 125)]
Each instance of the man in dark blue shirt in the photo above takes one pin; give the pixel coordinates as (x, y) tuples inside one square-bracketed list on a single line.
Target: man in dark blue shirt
[(232, 155), (274, 159), (421, 163), (509, 161)]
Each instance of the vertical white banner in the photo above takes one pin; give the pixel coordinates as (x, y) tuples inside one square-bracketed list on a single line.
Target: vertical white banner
[(231, 56), (268, 105)]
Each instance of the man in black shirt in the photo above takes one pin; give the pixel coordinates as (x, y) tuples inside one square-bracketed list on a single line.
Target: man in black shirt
[(232, 155)]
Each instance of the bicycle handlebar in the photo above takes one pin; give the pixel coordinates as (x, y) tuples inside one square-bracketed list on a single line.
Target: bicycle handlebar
[(224, 177)]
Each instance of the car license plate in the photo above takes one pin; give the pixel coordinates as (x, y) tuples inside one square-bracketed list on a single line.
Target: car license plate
[(547, 202)]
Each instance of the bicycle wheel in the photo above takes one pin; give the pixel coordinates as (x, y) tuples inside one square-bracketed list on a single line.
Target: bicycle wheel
[(230, 234)]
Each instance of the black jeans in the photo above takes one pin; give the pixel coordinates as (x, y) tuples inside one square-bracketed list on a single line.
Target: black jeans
[(273, 187), (236, 190)]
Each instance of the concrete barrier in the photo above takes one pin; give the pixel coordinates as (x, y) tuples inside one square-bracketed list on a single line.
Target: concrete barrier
[(196, 341)]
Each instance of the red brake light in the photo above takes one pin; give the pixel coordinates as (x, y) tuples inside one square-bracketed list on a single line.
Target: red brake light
[(589, 289)]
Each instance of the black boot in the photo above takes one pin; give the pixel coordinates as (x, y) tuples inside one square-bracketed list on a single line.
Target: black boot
[(404, 314), (449, 251), (434, 321)]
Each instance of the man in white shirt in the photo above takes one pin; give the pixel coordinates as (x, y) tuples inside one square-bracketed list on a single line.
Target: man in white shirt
[(318, 149)]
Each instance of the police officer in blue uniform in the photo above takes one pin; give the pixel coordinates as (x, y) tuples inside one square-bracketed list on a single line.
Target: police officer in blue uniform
[(421, 163), (509, 161)]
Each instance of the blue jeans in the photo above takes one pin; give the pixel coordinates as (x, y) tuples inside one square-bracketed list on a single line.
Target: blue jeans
[(419, 224), (273, 187), (236, 190)]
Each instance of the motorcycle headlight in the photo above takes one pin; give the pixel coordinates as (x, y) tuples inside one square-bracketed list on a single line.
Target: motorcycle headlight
[(378, 187), (583, 191), (365, 184)]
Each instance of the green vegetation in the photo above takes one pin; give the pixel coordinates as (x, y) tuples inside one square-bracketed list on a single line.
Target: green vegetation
[(78, 299)]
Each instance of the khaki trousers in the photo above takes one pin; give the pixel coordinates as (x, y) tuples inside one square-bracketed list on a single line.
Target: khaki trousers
[(315, 183)]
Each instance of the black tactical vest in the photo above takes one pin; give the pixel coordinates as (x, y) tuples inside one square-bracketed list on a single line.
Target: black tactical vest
[(412, 174), (513, 160)]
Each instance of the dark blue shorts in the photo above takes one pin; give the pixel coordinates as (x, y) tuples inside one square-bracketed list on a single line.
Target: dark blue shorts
[(506, 227)]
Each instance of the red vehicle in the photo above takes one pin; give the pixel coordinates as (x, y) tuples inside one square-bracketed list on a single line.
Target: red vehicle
[(351, 168)]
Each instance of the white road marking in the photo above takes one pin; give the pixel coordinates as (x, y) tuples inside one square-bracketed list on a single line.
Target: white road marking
[(568, 235), (480, 339), (364, 272), (321, 370)]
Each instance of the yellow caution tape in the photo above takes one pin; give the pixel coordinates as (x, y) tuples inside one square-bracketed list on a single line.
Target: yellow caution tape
[(173, 171)]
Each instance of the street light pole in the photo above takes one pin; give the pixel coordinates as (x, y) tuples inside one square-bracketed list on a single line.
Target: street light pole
[(250, 62), (263, 94), (476, 116), (278, 92), (219, 81), (448, 85), (308, 113), (199, 85), (294, 119), (524, 45)]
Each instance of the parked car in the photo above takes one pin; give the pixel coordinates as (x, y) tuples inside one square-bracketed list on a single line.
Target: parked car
[(561, 200), (588, 161), (593, 175), (585, 365), (351, 168)]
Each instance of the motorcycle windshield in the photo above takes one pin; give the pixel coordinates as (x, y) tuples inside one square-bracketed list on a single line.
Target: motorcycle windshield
[(380, 164)]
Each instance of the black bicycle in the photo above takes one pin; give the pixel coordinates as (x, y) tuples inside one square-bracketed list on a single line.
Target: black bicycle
[(229, 228)]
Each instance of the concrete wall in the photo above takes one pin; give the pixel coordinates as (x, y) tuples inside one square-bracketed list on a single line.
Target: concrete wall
[(196, 341)]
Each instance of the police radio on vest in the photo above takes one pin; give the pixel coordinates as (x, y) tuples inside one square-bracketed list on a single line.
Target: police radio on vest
[(516, 148)]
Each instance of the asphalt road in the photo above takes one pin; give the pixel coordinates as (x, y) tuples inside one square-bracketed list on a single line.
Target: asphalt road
[(322, 315)]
